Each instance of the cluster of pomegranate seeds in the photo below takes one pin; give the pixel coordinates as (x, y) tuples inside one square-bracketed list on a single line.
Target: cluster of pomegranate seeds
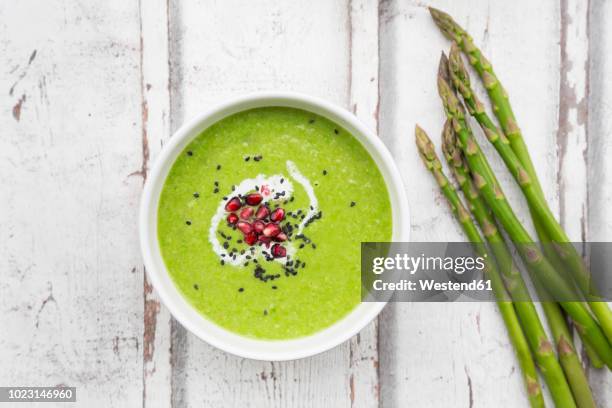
[(257, 222)]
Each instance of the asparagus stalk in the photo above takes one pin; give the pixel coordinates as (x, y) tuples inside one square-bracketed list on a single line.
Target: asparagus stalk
[(530, 187), (490, 189), (543, 219), (517, 288), (461, 80), (503, 111), (517, 337)]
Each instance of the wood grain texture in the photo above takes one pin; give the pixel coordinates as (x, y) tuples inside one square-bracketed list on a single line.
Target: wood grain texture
[(599, 151), (92, 92), (364, 383), (71, 286), (572, 134), (155, 123)]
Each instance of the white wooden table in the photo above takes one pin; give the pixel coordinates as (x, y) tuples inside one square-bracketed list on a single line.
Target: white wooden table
[(91, 91)]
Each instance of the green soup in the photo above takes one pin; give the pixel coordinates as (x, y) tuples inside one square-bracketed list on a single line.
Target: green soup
[(289, 269)]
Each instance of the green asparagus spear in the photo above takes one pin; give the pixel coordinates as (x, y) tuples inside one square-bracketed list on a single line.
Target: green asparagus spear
[(490, 189), (517, 288), (461, 80), (544, 220), (517, 337)]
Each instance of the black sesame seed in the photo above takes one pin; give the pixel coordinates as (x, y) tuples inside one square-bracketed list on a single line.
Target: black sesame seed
[(188, 222), (353, 203), (195, 286), (282, 180), (301, 246), (216, 184), (216, 190), (336, 131), (218, 167), (265, 312), (247, 158), (311, 121), (314, 246), (196, 195), (325, 172), (274, 287), (189, 153), (240, 289), (222, 262)]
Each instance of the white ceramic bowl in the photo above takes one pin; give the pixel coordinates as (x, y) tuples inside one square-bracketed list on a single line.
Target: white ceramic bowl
[(273, 350)]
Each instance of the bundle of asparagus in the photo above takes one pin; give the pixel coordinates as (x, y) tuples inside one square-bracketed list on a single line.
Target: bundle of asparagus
[(549, 266)]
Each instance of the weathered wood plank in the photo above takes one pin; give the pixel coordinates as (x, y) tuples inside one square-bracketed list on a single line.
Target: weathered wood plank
[(155, 122), (363, 101), (599, 131), (459, 354), (572, 135), (218, 51), (71, 303)]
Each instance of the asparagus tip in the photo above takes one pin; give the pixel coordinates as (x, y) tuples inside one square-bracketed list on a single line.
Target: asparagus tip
[(443, 21), (424, 144), (437, 14), (443, 67), (456, 66), (420, 136)]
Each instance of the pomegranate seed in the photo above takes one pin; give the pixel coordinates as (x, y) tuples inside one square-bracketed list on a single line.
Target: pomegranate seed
[(262, 212), (278, 251), (253, 199), (250, 238), (258, 226), (232, 218), (277, 215), (281, 237), (233, 204), (271, 230), (247, 213), (264, 240), (245, 227)]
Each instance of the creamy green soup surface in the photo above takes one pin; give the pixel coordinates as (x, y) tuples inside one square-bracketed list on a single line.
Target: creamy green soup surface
[(261, 218)]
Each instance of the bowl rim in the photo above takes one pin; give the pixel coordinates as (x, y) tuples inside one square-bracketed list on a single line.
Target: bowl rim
[(181, 309)]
